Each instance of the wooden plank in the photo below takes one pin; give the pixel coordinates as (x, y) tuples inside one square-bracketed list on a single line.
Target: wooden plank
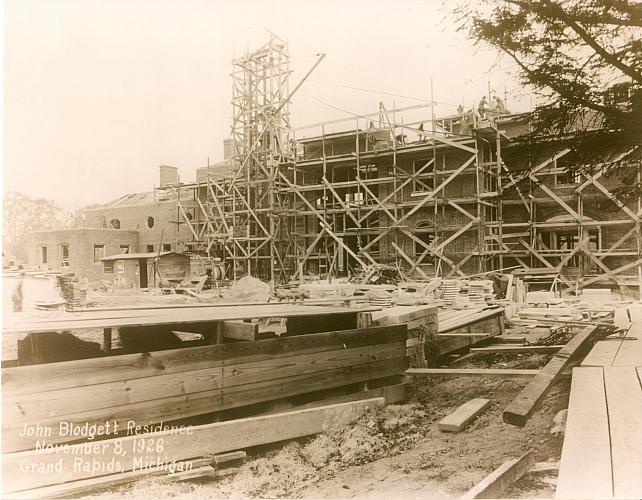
[(518, 349), (467, 320), (602, 354), (198, 403), (510, 339), (51, 376), (585, 465), (496, 484), (194, 468), (471, 372), (465, 335), (391, 394), (59, 321), (36, 406), (403, 314), (258, 371), (463, 415), (624, 406), (522, 407), (449, 344), (239, 330), (203, 440)]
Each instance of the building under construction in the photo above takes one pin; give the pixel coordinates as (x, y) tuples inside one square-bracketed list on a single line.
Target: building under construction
[(430, 196)]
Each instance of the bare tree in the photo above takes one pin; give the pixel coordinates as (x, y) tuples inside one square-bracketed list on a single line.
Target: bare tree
[(22, 214)]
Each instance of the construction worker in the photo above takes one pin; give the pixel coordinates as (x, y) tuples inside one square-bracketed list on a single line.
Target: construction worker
[(481, 109), (17, 295), (499, 104)]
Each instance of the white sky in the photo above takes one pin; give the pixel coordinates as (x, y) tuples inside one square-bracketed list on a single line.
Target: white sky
[(98, 94)]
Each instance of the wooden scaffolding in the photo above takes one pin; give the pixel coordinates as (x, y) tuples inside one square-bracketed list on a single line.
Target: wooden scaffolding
[(432, 196)]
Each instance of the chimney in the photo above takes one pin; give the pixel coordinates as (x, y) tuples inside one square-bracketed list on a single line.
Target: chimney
[(228, 148), (168, 175)]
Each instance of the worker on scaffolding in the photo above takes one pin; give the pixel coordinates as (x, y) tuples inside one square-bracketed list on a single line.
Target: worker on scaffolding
[(499, 105), (481, 108)]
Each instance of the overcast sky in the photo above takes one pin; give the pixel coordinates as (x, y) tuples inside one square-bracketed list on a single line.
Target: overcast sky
[(98, 94)]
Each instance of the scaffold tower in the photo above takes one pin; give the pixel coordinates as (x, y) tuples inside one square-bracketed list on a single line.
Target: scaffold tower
[(260, 128)]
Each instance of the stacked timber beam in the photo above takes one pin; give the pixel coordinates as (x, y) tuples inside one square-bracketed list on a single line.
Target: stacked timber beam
[(170, 385), (421, 322)]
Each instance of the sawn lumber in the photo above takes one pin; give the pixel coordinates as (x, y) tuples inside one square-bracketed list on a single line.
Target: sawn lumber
[(522, 407)]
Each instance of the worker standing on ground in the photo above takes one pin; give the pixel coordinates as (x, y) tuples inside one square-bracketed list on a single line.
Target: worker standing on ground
[(481, 109), (17, 295)]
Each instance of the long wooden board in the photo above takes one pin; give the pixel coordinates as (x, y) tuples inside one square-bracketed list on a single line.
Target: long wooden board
[(495, 484), (522, 407), (471, 372), (624, 405), (446, 325), (518, 349), (60, 321), (52, 376), (182, 406), (585, 466), (199, 468), (37, 406), (203, 440)]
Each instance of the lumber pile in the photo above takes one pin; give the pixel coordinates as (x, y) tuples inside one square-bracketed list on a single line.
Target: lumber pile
[(175, 384), (421, 322), (184, 449)]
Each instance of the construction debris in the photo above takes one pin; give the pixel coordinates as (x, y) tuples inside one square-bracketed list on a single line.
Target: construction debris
[(463, 415)]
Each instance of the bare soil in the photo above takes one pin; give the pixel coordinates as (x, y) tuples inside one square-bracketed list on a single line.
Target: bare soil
[(398, 451)]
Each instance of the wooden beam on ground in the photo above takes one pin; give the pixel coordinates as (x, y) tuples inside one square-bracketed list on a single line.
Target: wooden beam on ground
[(585, 465), (465, 334), (463, 415), (239, 330), (471, 372), (194, 442), (496, 484), (391, 394), (219, 465), (509, 339), (527, 349), (522, 407)]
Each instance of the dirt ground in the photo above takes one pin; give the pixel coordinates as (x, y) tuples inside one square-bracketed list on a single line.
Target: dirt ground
[(393, 452), (398, 451)]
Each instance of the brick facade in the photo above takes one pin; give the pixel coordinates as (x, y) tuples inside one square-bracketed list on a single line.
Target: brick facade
[(82, 245)]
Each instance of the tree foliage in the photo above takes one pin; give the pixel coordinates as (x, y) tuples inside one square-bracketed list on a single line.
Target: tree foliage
[(22, 214), (583, 58)]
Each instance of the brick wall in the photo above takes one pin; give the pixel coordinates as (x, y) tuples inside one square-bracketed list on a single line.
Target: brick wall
[(81, 249), (135, 218)]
